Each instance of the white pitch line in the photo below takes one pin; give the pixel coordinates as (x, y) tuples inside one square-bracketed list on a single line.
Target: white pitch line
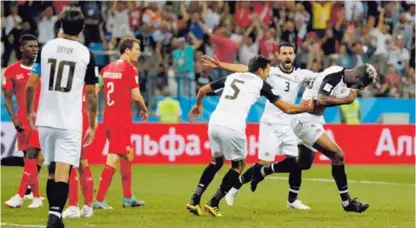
[(349, 181), (20, 225), (30, 225)]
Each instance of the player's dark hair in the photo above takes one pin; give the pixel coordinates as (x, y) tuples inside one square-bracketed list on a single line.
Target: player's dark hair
[(25, 38), (72, 21), (127, 43), (287, 44), (256, 63)]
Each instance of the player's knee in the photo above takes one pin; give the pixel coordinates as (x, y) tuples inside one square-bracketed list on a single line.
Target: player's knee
[(238, 165), (338, 158), (83, 163), (32, 153), (218, 162), (52, 168), (40, 158), (305, 165), (263, 162)]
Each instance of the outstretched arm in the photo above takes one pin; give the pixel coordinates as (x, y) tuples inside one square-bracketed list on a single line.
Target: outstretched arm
[(285, 107), (215, 63)]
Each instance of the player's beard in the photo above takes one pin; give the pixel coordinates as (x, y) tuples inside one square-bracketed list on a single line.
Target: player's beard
[(287, 65)]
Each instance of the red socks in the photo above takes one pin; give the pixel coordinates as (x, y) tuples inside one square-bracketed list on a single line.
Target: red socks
[(29, 177), (87, 184), (73, 188), (105, 181), (125, 172)]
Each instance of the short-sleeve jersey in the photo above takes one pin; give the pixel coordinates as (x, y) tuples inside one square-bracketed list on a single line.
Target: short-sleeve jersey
[(287, 85), (15, 79), (119, 78), (330, 82), (65, 66), (241, 91)]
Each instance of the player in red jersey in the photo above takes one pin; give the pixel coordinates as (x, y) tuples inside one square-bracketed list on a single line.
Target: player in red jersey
[(15, 78), (120, 87), (85, 175)]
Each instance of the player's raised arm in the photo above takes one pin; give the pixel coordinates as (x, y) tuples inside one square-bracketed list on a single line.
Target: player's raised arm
[(285, 107), (215, 63)]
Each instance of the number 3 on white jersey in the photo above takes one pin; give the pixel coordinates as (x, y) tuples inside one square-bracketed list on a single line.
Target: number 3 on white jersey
[(110, 87)]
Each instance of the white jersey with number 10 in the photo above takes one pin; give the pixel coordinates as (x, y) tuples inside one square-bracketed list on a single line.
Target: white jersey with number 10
[(64, 66)]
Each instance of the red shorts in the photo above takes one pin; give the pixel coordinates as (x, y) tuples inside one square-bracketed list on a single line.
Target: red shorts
[(28, 137), (34, 140), (119, 138)]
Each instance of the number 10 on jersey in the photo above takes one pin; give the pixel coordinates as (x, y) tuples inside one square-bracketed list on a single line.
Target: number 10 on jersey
[(58, 74)]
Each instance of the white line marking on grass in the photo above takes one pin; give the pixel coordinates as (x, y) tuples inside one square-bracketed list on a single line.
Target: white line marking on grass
[(349, 181), (30, 225), (20, 225)]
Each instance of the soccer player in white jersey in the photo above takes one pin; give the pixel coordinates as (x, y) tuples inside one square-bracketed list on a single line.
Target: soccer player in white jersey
[(226, 128), (275, 133), (333, 87), (65, 66)]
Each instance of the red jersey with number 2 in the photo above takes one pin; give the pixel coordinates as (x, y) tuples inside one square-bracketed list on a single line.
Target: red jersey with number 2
[(119, 77)]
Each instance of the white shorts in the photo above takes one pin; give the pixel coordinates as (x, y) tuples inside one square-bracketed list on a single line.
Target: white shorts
[(226, 142), (276, 139), (308, 128), (60, 145)]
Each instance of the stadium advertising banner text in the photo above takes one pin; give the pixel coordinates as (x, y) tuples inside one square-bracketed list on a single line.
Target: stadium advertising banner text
[(188, 143)]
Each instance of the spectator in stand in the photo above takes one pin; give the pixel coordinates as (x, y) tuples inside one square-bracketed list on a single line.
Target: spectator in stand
[(250, 43), (243, 14), (212, 13), (343, 58), (268, 44), (358, 56), (354, 11), (192, 21), (11, 35), (135, 15), (383, 39), (321, 12), (118, 16), (183, 58), (409, 84), (394, 81), (399, 57), (224, 47), (151, 15), (46, 26), (92, 14)]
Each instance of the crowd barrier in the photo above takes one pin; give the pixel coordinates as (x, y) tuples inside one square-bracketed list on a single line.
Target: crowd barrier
[(188, 143)]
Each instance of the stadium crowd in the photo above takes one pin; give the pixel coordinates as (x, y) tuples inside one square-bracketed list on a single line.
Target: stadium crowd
[(174, 36)]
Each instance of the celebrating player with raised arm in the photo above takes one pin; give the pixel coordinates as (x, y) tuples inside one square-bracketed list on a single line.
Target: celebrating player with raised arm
[(275, 133), (333, 87), (120, 87), (15, 79), (226, 129), (65, 66)]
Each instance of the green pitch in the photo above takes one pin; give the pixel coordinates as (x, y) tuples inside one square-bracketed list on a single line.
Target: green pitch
[(166, 189)]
